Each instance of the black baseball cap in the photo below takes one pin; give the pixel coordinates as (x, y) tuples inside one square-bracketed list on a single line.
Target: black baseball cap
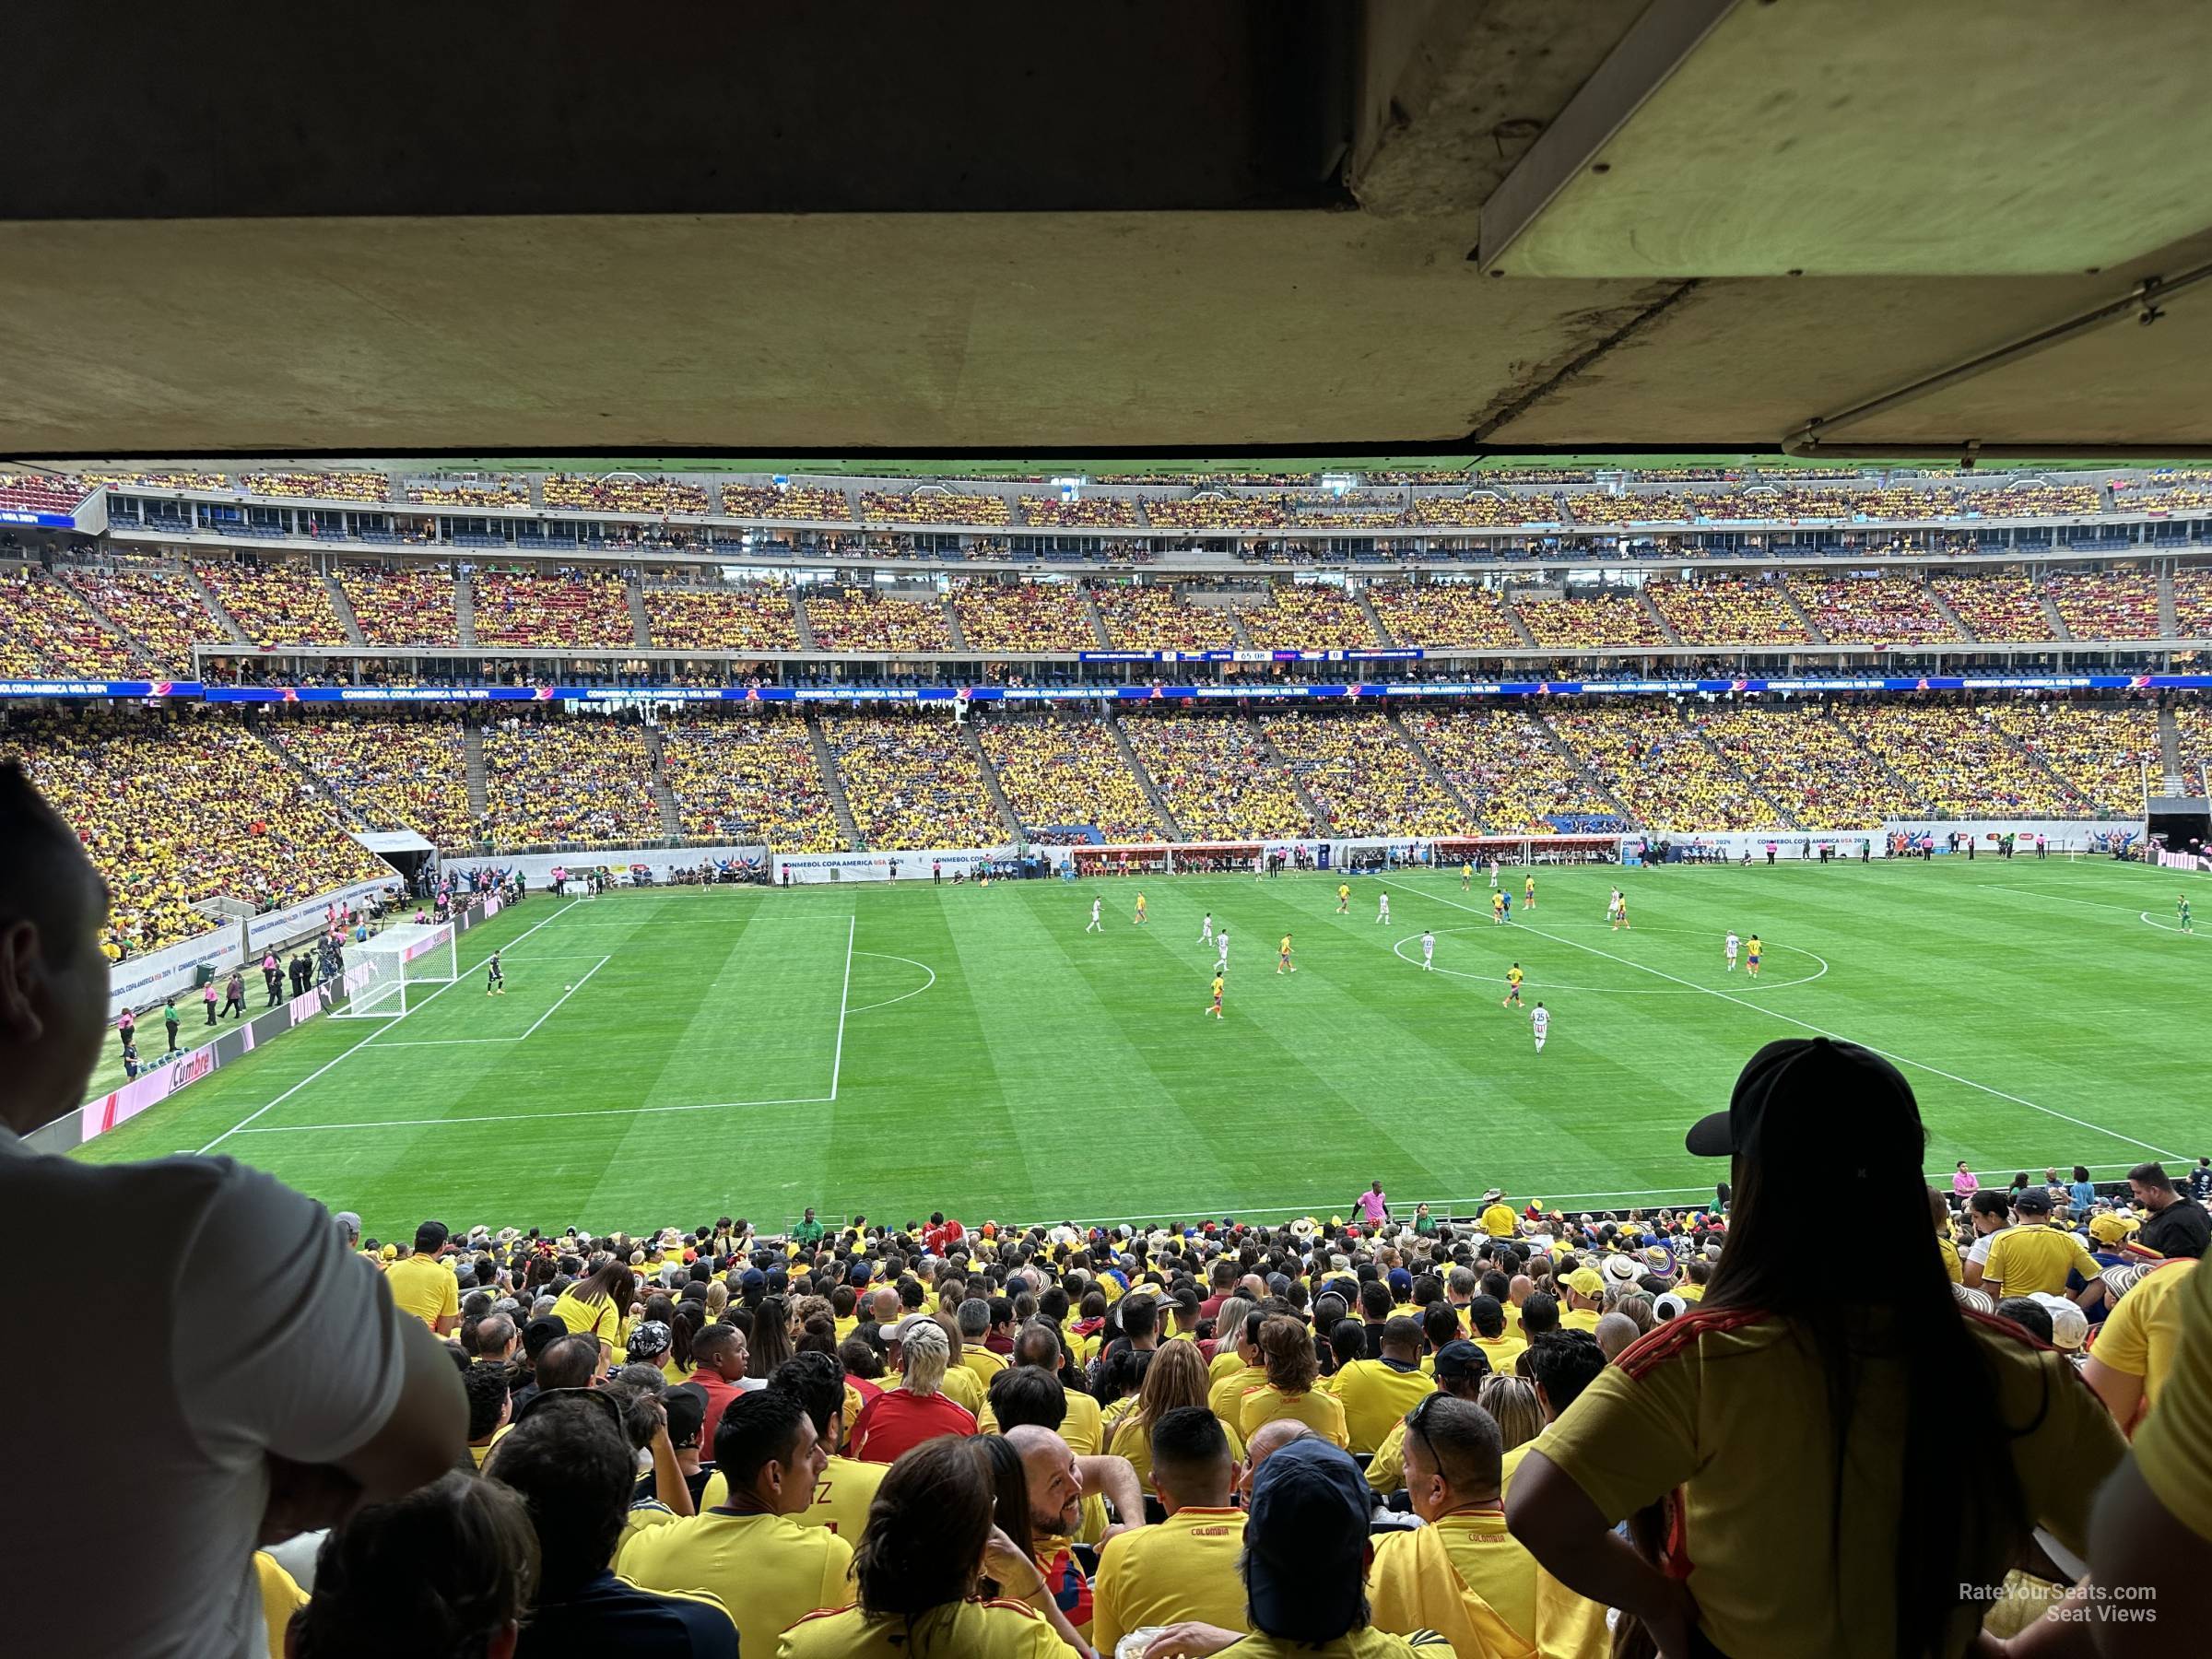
[(1830, 1106), (2034, 1198), (1458, 1361)]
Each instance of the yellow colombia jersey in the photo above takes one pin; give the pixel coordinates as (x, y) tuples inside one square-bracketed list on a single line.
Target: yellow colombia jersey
[(769, 1570), (1514, 976), (973, 1630), (1184, 1568), (840, 1497), (2174, 1448), (1217, 988), (1344, 892), (1751, 945)]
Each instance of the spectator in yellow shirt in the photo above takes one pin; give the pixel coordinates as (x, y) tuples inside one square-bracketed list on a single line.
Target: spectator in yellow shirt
[(2135, 1345), (423, 1286), (2034, 1257), (1497, 1218), (1184, 1568), (1377, 1393), (1461, 1371), (974, 1316), (1288, 1352)]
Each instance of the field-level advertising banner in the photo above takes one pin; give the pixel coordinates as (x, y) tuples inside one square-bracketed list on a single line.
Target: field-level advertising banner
[(795, 869), (2063, 835)]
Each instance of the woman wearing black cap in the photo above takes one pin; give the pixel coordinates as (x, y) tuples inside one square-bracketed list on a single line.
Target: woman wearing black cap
[(1817, 1465)]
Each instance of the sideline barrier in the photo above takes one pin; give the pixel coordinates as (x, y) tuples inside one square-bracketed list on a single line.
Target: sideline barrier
[(156, 1084), (137, 980)]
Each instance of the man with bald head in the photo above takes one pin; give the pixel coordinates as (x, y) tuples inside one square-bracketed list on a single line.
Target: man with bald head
[(1267, 1439), (496, 1337), (290, 1388), (1615, 1332), (1055, 1487)]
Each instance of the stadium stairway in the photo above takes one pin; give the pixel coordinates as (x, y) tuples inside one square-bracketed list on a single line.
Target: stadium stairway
[(471, 750), (1314, 815), (465, 620), (2169, 753), (1007, 815), (1904, 792), (1565, 751), (1097, 622), (1659, 621), (663, 797), (2058, 623), (826, 763), (130, 640), (1436, 773), (1812, 628), (215, 608), (347, 814), (1520, 627), (1366, 609), (1951, 618), (641, 635), (952, 623), (343, 607), (1143, 779), (1236, 622), (1784, 817), (805, 623), (2170, 619)]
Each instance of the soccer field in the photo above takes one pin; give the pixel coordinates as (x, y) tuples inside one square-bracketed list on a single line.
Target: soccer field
[(672, 1056)]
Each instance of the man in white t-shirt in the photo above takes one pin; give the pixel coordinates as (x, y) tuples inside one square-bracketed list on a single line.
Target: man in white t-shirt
[(270, 1384)]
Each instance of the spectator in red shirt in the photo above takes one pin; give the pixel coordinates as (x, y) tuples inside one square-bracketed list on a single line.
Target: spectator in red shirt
[(940, 1235), (722, 1354), (904, 1416)]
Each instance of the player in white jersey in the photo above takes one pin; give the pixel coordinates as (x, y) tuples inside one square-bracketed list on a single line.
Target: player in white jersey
[(1613, 906), (1429, 952), (1733, 945), (1259, 866), (1539, 1022), (1095, 925), (1493, 875), (1206, 929), (1384, 914), (1221, 945)]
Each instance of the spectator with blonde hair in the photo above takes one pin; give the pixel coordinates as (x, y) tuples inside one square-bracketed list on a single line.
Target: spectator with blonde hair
[(916, 1410)]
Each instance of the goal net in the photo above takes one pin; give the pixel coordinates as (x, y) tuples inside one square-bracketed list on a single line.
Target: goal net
[(398, 969)]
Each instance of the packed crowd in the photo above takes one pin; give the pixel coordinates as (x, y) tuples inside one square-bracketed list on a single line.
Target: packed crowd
[(1156, 619), (1652, 761), (932, 507), (806, 503), (43, 492), (1445, 612), (911, 781), (1309, 617), (1958, 759), (1588, 623), (467, 490), (1217, 777), (1505, 766), (1085, 512), (410, 606), (571, 782), (156, 607), (1023, 616), (1871, 610), (623, 493), (1807, 764), (175, 806), (2192, 602), (2108, 604), (2103, 753), (394, 773), (1362, 779), (2192, 724), (857, 619), (1484, 510), (1997, 609), (46, 630), (318, 485), (745, 776), (587, 609), (751, 616), (163, 480), (1065, 774), (276, 605), (1214, 511), (1728, 613)]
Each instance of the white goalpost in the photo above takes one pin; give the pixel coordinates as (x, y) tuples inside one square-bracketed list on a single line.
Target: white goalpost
[(388, 974)]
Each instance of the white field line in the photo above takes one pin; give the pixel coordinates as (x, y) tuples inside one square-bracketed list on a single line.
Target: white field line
[(564, 996), (837, 1060), (372, 1036), (1806, 1024), (531, 1117)]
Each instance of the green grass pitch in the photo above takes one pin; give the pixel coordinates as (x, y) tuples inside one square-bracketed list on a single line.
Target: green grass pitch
[(675, 1055)]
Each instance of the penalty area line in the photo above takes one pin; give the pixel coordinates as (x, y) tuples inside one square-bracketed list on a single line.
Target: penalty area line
[(529, 1117), (1806, 1024)]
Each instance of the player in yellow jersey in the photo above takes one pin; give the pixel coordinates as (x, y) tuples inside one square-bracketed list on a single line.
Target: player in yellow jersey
[(1466, 876), (1528, 891), (1344, 900), (1513, 976), (1216, 1009), (1620, 913), (1496, 907), (1751, 952), (1282, 957), (1140, 910)]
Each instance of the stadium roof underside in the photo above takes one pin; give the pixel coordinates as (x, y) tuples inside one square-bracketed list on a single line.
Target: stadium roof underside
[(1312, 226)]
